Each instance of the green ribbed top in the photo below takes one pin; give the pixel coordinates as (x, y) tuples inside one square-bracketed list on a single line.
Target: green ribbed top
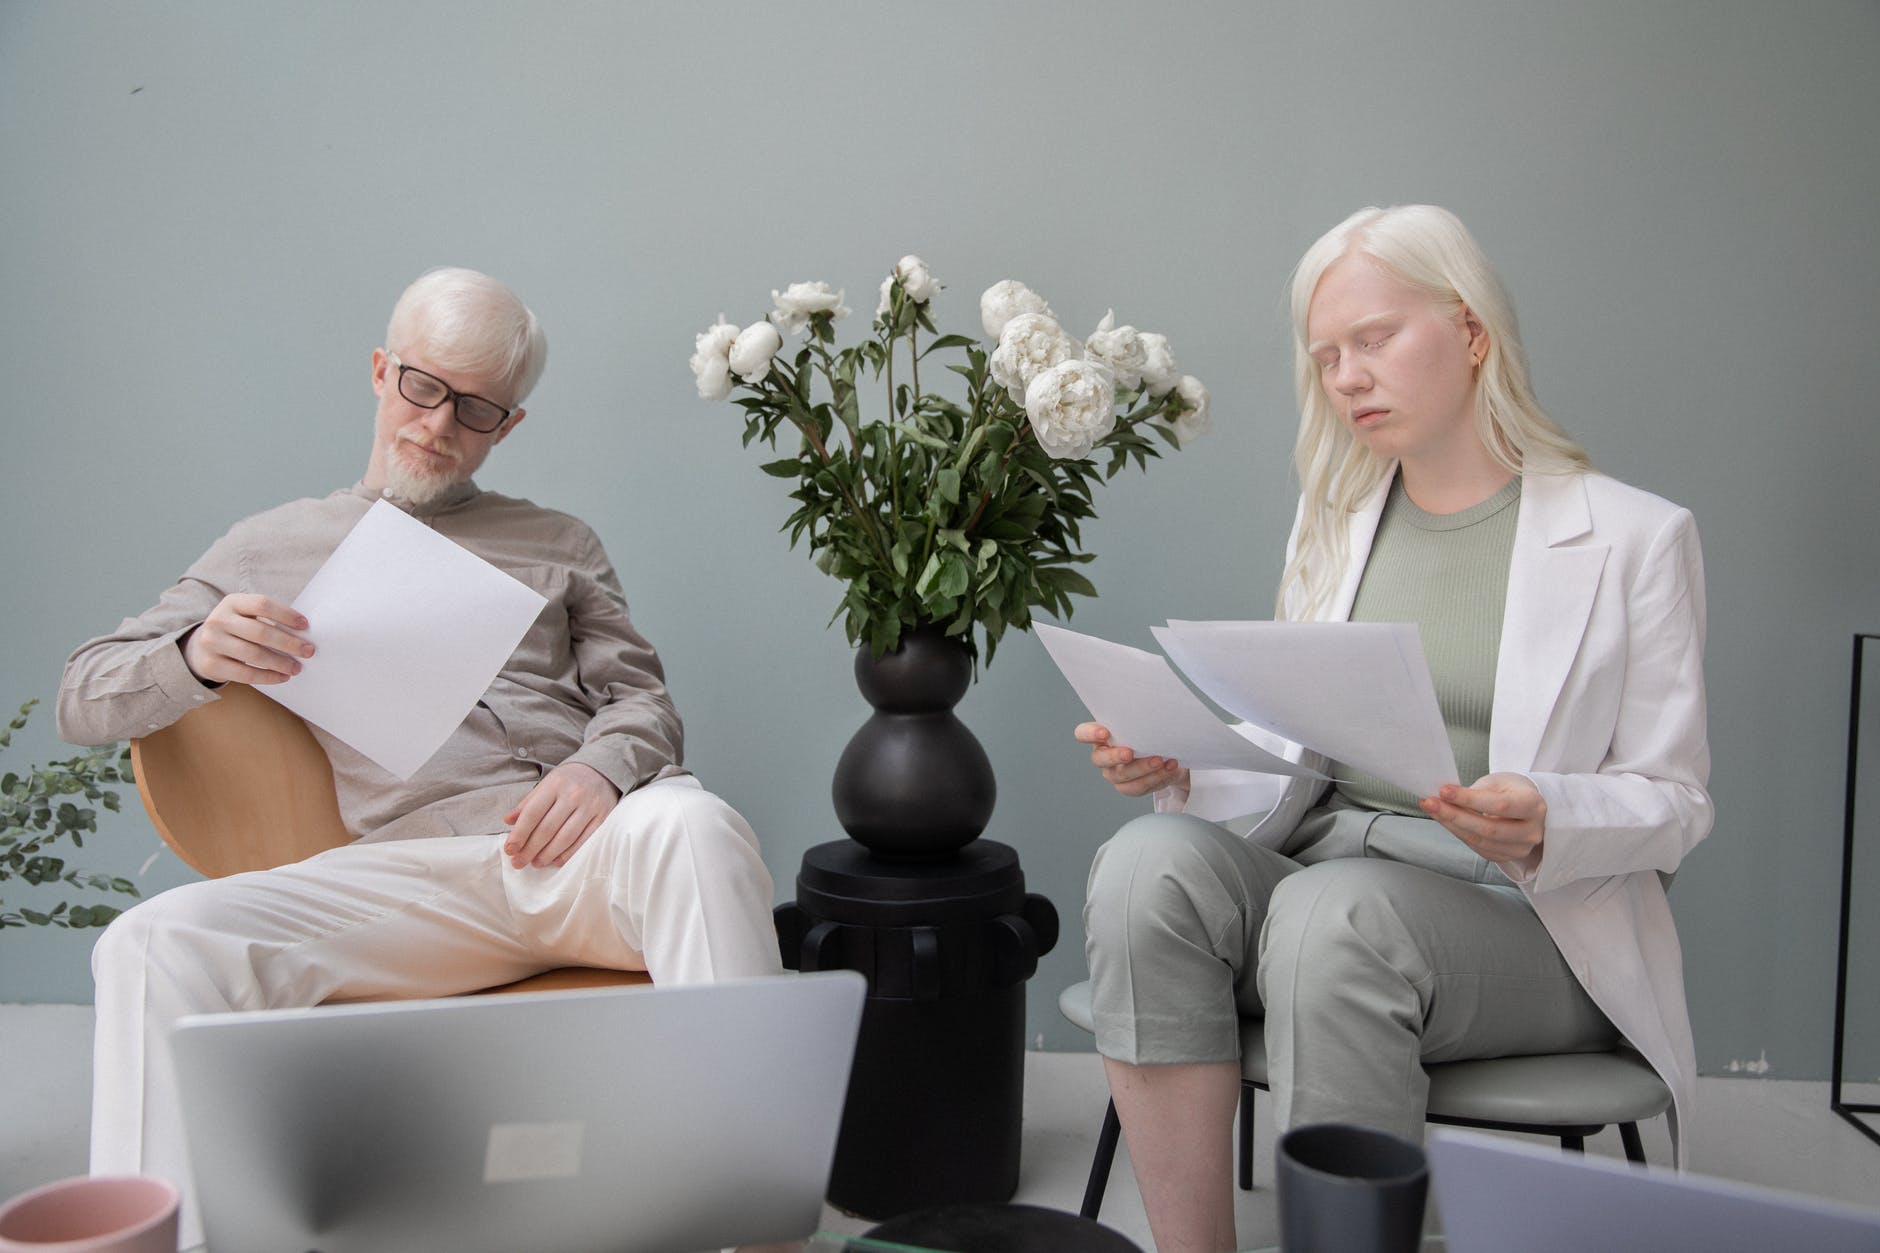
[(1448, 573)]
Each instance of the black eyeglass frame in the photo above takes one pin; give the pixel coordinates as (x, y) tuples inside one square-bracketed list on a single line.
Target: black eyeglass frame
[(451, 395)]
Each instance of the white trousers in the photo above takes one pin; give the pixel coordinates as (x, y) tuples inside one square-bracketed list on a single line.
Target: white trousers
[(670, 883)]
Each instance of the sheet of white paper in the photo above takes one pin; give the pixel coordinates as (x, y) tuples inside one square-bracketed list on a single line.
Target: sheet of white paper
[(408, 629), (1359, 692), (1146, 705), (1223, 795)]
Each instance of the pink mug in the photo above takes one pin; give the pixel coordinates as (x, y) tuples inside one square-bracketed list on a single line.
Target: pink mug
[(98, 1214)]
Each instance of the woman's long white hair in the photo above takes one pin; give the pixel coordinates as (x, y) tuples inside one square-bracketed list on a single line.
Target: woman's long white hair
[(1429, 250)]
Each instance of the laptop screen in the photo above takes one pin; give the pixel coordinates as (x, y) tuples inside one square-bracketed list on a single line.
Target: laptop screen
[(1498, 1195), (616, 1118)]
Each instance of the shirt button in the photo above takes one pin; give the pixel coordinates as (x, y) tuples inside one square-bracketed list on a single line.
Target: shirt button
[(521, 753)]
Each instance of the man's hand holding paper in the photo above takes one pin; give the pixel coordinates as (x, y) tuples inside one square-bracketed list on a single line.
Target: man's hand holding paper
[(247, 638)]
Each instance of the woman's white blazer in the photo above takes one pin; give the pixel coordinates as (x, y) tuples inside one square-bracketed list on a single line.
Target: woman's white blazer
[(1599, 699)]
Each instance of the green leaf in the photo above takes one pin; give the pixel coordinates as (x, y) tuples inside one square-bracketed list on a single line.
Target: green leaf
[(1010, 530), (788, 468), (947, 341), (883, 634), (1071, 581), (955, 575), (928, 573)]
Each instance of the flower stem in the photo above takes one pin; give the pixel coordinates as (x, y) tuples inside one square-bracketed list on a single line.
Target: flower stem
[(894, 433), (808, 428), (913, 355), (986, 496)]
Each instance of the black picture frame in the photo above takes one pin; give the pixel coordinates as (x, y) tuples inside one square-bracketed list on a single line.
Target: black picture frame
[(1850, 1110)]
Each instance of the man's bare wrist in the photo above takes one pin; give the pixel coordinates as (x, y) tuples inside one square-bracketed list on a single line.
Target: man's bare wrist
[(182, 646)]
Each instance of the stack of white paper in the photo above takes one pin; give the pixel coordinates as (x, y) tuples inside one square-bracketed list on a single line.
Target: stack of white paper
[(1357, 692)]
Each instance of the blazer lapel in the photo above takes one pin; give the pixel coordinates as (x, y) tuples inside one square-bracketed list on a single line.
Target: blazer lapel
[(1551, 584)]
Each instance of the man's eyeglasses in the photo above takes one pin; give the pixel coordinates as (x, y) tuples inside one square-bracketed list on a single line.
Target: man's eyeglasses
[(427, 391)]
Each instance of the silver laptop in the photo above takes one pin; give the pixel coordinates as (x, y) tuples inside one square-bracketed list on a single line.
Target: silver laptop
[(1500, 1196), (616, 1120)]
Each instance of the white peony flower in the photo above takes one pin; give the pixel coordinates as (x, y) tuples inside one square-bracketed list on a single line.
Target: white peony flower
[(1192, 424), (1120, 348), (916, 279), (1029, 344), (799, 302), (1159, 373), (1072, 406), (1006, 300), (752, 350), (711, 359)]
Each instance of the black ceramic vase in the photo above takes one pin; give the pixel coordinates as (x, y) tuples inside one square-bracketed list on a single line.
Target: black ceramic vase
[(914, 784)]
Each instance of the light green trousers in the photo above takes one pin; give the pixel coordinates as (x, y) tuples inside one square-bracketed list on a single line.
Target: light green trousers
[(1374, 944)]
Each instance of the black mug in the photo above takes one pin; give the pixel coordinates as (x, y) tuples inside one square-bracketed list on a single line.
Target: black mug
[(1345, 1189)]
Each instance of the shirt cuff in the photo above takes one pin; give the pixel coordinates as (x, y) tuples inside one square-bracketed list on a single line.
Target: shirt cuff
[(172, 674)]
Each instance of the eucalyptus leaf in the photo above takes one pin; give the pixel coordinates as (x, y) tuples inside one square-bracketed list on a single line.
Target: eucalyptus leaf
[(32, 823)]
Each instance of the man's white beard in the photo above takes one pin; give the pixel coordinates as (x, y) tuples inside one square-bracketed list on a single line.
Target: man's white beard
[(412, 486)]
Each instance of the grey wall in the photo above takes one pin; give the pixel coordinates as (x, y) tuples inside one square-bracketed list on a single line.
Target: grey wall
[(207, 210)]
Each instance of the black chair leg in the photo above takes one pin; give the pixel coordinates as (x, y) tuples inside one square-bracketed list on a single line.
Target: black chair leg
[(1246, 1137), (1573, 1144), (1634, 1147), (1100, 1165)]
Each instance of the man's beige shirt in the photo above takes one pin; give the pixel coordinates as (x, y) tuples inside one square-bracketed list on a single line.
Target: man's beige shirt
[(582, 685)]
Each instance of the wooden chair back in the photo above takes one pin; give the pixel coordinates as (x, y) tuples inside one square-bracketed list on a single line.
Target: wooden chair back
[(240, 784)]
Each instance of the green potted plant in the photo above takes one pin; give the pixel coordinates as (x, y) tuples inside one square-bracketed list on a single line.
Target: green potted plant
[(49, 804), (949, 518)]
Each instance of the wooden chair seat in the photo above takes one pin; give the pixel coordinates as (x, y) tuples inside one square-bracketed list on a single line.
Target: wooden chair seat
[(241, 784)]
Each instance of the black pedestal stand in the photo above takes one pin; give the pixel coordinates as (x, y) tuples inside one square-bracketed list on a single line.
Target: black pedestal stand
[(936, 1096)]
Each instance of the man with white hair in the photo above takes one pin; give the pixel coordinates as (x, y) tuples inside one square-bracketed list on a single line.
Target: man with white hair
[(556, 826)]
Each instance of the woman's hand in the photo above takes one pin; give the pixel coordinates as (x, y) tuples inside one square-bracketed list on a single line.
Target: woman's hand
[(1503, 817), (1124, 772)]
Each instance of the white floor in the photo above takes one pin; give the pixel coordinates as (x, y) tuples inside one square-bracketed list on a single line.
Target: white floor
[(1772, 1132)]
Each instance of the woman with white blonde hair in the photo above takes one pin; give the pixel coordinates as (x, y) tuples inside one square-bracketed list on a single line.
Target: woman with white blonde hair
[(1562, 614)]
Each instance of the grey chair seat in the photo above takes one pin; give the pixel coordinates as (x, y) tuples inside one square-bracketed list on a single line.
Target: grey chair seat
[(1570, 1095)]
